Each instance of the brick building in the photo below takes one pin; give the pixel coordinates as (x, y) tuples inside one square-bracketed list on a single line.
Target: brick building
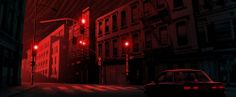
[(161, 33), (112, 30), (51, 59), (79, 50)]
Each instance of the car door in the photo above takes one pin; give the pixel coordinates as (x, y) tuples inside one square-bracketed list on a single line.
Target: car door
[(166, 86)]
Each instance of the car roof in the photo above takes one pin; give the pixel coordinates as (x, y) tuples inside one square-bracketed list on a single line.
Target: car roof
[(179, 70)]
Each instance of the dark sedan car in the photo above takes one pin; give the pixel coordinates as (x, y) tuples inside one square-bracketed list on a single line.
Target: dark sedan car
[(184, 83)]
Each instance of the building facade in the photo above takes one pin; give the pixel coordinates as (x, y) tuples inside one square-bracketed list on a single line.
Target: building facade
[(161, 34), (79, 50), (216, 25), (11, 28), (170, 36), (51, 58), (112, 30)]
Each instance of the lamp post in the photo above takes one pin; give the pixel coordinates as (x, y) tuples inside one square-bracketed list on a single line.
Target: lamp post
[(35, 46), (127, 45)]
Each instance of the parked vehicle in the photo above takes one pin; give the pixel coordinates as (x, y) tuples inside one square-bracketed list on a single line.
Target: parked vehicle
[(185, 83)]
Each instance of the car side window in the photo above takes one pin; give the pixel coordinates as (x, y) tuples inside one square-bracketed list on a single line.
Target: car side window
[(166, 77), (179, 77)]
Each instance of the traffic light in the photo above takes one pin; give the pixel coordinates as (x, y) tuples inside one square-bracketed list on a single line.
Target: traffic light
[(82, 26), (35, 47), (83, 21), (82, 42), (126, 44), (82, 29)]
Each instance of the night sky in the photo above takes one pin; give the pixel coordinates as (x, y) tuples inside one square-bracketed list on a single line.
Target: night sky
[(48, 9), (64, 8)]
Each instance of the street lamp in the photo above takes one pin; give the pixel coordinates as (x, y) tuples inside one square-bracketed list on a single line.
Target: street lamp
[(35, 47), (126, 44)]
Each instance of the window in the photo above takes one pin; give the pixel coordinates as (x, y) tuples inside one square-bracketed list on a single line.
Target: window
[(166, 77), (115, 48), (134, 14), (135, 42), (220, 31), (148, 40), (178, 3), (190, 76), (107, 25), (163, 35), (182, 37), (114, 23), (99, 49), (123, 18), (100, 30), (107, 49), (160, 3)]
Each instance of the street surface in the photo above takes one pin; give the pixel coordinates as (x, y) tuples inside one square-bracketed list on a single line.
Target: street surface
[(83, 90), (88, 90)]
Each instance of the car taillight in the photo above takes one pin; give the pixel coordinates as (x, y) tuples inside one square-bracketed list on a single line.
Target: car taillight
[(221, 87), (217, 87), (195, 87), (189, 87), (214, 87)]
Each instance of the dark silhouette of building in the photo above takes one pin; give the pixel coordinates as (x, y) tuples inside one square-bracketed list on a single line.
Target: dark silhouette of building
[(216, 26), (11, 29), (161, 33)]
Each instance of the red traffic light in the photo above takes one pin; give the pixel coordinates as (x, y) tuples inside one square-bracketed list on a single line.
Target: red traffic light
[(126, 43), (83, 21), (82, 42), (35, 47)]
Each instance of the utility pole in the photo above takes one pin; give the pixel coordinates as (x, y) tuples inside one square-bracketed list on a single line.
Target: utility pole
[(34, 47)]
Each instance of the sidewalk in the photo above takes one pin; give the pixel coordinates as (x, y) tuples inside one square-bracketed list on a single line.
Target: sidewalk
[(13, 91)]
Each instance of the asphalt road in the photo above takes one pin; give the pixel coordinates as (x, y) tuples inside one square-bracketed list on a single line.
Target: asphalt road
[(83, 90)]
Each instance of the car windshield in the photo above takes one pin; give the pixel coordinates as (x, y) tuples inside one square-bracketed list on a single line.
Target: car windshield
[(190, 76)]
